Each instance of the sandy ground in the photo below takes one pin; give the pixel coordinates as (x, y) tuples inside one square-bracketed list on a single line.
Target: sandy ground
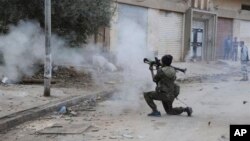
[(214, 92), (216, 105), (17, 97)]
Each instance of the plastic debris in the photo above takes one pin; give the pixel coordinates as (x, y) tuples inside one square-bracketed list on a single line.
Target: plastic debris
[(63, 110)]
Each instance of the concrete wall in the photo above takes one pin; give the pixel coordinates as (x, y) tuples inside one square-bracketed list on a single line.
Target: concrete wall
[(224, 8), (236, 28), (233, 5), (169, 5), (231, 9)]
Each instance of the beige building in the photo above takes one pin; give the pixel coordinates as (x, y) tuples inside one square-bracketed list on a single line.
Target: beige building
[(173, 26)]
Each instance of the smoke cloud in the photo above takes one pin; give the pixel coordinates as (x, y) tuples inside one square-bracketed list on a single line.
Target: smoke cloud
[(21, 47), (24, 47), (130, 51)]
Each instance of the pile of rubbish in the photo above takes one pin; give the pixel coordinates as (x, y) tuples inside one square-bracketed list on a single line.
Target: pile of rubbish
[(58, 72), (61, 76)]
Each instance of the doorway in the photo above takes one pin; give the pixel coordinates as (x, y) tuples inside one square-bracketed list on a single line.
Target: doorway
[(200, 35), (197, 40)]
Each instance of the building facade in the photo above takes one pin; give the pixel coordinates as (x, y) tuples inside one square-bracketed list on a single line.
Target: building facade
[(176, 26)]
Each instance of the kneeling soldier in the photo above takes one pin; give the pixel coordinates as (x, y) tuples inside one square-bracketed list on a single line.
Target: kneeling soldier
[(166, 90)]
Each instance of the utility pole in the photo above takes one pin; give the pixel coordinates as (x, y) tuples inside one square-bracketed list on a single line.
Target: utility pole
[(48, 58)]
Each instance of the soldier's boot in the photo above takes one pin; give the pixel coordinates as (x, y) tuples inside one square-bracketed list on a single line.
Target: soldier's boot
[(189, 111), (155, 113)]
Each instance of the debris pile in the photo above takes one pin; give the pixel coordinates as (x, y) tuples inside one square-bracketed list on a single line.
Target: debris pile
[(61, 77)]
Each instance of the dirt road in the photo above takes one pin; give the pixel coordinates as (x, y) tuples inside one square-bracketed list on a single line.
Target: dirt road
[(216, 105)]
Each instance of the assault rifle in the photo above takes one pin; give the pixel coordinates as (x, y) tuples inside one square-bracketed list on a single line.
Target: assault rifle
[(158, 64)]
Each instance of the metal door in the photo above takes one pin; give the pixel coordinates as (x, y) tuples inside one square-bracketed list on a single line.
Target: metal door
[(132, 24), (170, 34), (224, 29)]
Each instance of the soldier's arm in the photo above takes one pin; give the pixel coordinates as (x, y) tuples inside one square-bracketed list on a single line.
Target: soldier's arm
[(158, 75)]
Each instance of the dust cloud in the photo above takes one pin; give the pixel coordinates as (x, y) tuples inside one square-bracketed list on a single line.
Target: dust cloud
[(130, 51), (23, 48)]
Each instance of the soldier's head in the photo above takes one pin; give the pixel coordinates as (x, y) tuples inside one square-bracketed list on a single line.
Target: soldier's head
[(167, 60)]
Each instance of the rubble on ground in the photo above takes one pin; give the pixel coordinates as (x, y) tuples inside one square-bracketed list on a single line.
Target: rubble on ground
[(62, 77)]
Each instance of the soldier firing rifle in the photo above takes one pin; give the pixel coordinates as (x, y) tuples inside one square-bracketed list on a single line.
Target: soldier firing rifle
[(166, 90)]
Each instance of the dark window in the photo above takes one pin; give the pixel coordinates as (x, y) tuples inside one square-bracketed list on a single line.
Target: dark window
[(245, 7)]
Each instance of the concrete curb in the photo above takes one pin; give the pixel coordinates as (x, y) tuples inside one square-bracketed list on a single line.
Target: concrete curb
[(15, 119)]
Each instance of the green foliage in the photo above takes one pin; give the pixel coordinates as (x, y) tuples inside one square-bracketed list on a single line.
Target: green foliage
[(72, 19)]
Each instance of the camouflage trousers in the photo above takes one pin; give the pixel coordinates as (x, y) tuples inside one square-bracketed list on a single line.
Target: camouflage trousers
[(167, 102), (244, 69)]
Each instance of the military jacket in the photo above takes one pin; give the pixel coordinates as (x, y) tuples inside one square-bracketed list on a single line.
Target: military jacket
[(165, 78)]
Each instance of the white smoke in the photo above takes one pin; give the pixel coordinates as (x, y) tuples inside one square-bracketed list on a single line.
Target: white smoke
[(130, 51), (24, 47), (21, 47), (100, 63)]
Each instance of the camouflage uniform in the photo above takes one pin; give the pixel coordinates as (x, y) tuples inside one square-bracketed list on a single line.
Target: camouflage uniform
[(166, 91)]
